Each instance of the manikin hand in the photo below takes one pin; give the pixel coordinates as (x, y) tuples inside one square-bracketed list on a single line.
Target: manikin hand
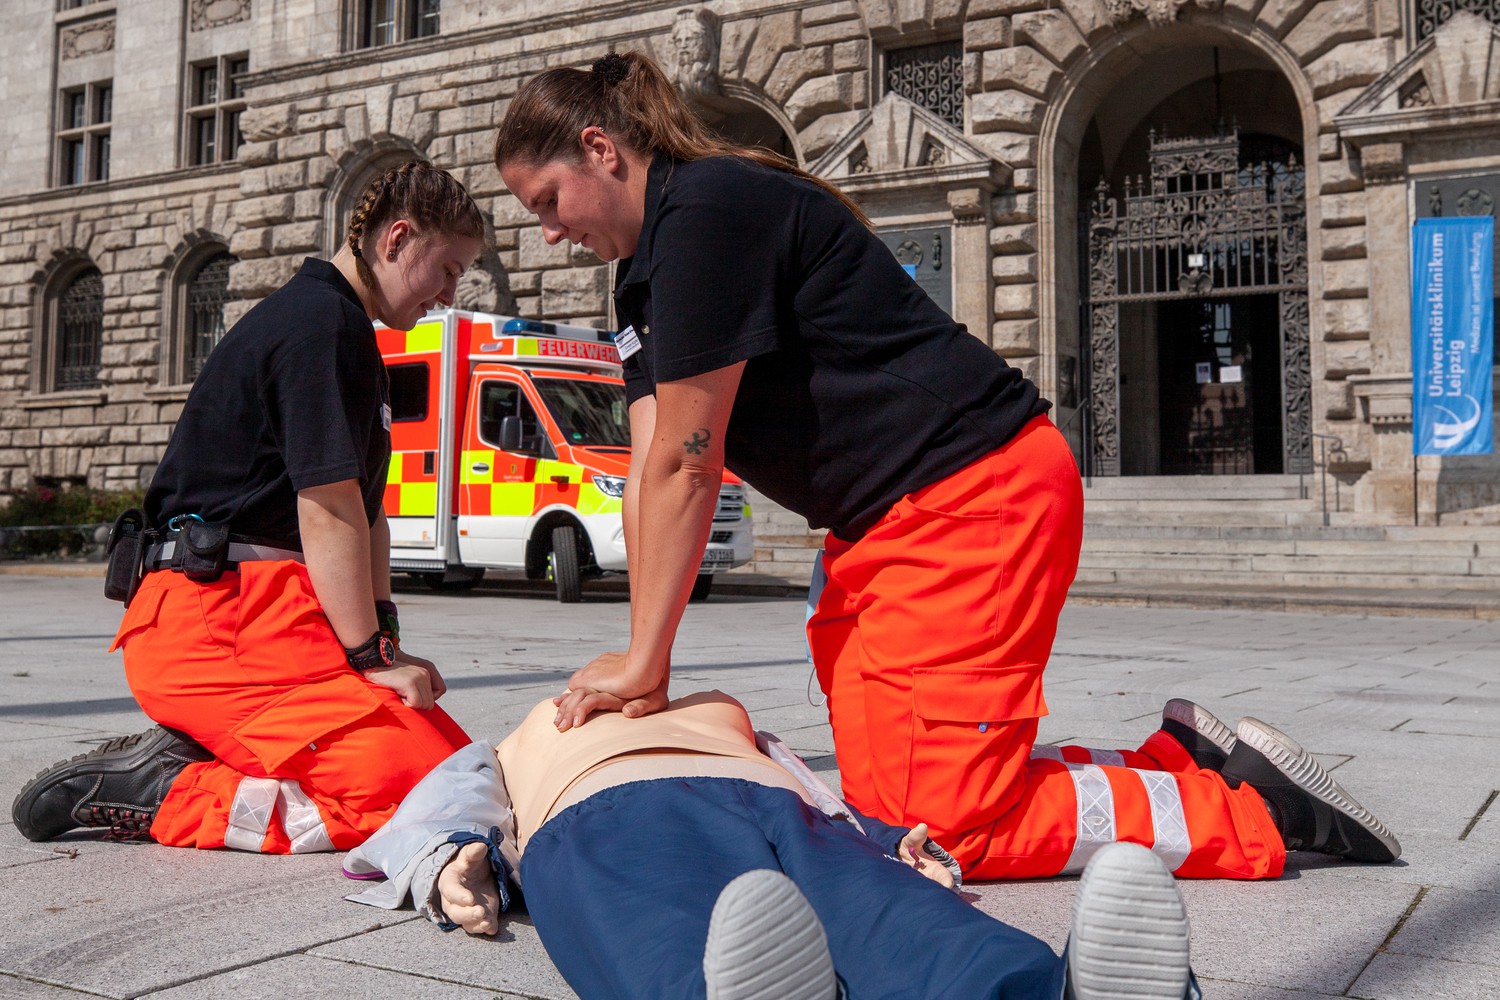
[(913, 851)]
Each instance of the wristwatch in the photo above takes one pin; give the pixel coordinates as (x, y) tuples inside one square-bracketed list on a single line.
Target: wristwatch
[(376, 651)]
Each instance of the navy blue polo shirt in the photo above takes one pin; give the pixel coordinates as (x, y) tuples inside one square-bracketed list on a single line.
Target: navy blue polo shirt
[(294, 396), (858, 388)]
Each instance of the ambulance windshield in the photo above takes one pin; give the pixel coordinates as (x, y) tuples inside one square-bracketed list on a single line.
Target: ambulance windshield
[(589, 414)]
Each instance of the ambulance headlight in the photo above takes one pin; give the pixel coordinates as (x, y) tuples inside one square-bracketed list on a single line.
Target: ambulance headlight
[(610, 486)]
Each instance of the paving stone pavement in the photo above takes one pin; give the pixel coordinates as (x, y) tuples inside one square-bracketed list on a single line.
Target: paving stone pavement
[(1402, 708)]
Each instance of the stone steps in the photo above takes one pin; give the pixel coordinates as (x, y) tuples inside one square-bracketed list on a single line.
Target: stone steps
[(1238, 531)]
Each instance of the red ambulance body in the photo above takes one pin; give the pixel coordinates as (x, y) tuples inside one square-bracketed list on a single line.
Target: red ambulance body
[(510, 442)]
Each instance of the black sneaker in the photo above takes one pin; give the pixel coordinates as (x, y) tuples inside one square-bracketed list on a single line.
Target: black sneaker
[(1312, 811), (1200, 732), (119, 784)]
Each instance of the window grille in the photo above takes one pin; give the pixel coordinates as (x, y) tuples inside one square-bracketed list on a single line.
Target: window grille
[(207, 293), (931, 76), (80, 331), (1433, 14)]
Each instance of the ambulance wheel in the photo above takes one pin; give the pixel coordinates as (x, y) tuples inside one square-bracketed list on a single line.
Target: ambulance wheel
[(702, 584), (564, 564)]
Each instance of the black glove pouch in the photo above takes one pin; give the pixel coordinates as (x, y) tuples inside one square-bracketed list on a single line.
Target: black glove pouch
[(201, 551), (127, 554)]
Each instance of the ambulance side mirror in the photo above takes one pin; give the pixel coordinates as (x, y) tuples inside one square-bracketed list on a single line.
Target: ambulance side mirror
[(511, 437)]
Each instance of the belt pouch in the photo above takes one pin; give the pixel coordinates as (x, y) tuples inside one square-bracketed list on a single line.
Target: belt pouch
[(127, 555), (201, 551)]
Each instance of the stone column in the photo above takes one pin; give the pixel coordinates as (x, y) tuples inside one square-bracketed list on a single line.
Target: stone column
[(1385, 394), (973, 301)]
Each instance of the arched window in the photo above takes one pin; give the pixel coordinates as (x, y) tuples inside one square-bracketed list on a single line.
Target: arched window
[(348, 186), (80, 331), (203, 311)]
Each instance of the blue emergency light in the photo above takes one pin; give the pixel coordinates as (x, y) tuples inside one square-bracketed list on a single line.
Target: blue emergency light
[(529, 326), (556, 330)]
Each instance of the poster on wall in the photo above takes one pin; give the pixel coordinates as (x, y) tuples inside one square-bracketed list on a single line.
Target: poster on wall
[(1453, 336)]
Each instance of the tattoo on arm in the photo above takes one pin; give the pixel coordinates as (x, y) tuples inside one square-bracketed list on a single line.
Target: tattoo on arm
[(698, 442)]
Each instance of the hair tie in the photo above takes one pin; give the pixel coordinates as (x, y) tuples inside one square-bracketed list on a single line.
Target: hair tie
[(611, 69)]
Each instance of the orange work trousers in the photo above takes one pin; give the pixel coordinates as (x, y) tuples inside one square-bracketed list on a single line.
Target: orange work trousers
[(310, 755), (929, 639)]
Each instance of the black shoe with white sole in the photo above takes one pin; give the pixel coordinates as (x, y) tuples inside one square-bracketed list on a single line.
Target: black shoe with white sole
[(1312, 811), (1130, 931), (119, 784), (1200, 732)]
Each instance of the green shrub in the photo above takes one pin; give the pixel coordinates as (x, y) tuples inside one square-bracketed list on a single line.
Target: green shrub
[(38, 506)]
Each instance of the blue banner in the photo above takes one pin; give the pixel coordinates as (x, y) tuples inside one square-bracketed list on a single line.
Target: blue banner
[(1453, 336)]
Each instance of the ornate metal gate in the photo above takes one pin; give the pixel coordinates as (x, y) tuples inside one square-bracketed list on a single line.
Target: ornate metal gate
[(1201, 226)]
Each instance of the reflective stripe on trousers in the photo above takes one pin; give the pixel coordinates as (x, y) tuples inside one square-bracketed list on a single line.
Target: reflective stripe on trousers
[(1097, 823)]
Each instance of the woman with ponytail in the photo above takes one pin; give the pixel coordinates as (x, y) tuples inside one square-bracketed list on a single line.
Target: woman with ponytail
[(263, 638), (765, 328)]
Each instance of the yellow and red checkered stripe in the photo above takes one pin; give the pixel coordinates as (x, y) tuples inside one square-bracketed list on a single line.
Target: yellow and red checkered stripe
[(533, 485), (409, 492)]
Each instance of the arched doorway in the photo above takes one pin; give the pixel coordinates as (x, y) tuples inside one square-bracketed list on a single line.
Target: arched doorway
[(1191, 265)]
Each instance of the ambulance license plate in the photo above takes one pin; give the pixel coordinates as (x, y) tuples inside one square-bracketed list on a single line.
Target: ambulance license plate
[(715, 560)]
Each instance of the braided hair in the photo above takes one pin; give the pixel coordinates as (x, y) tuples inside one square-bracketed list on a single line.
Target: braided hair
[(429, 198), (628, 96)]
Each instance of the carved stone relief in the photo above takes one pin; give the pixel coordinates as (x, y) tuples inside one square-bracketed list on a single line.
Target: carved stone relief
[(88, 39), (216, 13), (1415, 93), (1159, 12), (480, 290), (695, 53)]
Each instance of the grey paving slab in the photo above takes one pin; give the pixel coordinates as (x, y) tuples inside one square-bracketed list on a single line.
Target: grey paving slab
[(1455, 925), (12, 988), (512, 962), (1402, 708), (1314, 931), (1403, 977), (1223, 989), (120, 920), (310, 976)]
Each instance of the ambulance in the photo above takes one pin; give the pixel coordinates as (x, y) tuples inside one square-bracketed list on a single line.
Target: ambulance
[(509, 447)]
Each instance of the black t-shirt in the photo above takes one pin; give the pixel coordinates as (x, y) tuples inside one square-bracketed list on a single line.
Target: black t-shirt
[(858, 389), (294, 396)]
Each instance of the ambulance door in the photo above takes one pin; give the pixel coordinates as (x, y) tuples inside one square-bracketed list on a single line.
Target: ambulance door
[(415, 501), (497, 488)]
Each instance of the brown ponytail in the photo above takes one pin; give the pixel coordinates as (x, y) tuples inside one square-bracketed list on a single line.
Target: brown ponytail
[(629, 97), (431, 199)]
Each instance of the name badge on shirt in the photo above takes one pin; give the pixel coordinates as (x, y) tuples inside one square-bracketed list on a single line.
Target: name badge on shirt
[(627, 342), (385, 415)]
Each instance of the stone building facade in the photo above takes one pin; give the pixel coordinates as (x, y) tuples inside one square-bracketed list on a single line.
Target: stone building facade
[(1187, 221)]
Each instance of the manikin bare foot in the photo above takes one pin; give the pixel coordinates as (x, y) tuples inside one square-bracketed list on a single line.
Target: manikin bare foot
[(471, 899)]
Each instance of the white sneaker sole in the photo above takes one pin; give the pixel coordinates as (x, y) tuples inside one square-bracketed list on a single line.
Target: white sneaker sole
[(766, 943), (1307, 774), (1201, 721), (1130, 929)]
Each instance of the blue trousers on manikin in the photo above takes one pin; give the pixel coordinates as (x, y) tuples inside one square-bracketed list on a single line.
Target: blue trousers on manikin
[(621, 887)]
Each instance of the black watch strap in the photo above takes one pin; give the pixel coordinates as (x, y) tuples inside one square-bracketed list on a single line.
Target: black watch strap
[(376, 651)]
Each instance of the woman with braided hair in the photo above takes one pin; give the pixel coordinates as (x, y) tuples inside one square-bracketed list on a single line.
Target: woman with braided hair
[(766, 328), (263, 638)]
